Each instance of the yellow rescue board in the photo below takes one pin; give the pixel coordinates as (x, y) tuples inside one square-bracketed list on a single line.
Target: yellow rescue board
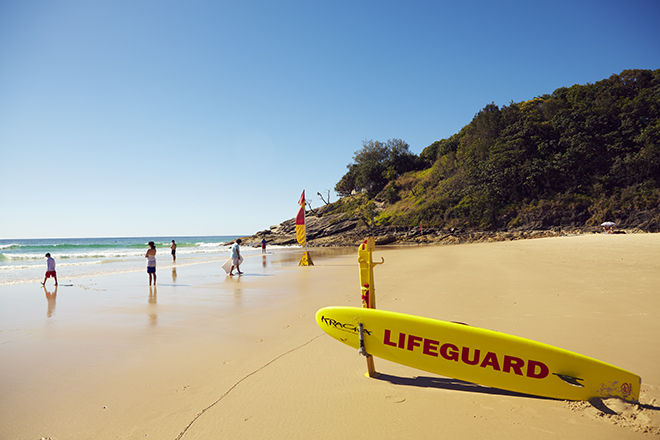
[(478, 355)]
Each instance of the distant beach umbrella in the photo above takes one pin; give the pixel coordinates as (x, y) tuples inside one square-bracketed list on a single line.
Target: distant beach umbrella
[(608, 224)]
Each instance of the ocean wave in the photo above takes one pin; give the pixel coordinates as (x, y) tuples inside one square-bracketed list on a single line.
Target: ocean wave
[(17, 267), (109, 254), (67, 256), (9, 246), (203, 244), (38, 245)]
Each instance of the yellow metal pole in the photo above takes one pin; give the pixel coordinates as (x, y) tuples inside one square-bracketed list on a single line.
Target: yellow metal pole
[(367, 288)]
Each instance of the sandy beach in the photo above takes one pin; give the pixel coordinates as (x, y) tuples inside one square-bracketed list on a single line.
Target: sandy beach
[(206, 356)]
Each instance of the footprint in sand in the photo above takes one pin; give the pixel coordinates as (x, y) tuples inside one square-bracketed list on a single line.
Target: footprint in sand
[(394, 399)]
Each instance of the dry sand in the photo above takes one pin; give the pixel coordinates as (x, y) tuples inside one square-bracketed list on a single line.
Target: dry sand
[(205, 356)]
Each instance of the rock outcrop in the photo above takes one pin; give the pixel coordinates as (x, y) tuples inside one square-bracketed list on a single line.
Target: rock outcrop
[(337, 230)]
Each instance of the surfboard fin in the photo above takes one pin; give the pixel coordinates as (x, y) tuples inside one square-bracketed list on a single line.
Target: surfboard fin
[(570, 380)]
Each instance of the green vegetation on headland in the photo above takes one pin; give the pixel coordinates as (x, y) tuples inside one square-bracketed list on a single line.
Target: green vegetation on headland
[(570, 160)]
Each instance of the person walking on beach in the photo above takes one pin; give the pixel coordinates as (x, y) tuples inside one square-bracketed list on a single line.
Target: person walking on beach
[(151, 262), (263, 246), (236, 257), (50, 269), (173, 247)]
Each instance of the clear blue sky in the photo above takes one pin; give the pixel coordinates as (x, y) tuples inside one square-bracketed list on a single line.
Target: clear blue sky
[(159, 118)]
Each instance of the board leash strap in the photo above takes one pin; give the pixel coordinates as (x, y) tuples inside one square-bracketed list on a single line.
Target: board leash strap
[(362, 350)]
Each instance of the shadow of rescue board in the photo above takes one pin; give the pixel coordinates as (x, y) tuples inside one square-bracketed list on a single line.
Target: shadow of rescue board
[(478, 355)]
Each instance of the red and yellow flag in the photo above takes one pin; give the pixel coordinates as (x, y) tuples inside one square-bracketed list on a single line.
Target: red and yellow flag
[(300, 221)]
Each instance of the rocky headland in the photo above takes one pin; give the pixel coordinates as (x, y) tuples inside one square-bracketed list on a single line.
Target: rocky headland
[(325, 230)]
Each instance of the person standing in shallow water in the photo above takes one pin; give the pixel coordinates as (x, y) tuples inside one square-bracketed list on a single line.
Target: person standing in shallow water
[(173, 247), (236, 257), (50, 269), (151, 262)]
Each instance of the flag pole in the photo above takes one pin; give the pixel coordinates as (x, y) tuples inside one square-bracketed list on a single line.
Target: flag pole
[(306, 260), (368, 293)]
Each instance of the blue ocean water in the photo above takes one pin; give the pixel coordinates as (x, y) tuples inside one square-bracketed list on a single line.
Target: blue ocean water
[(23, 261)]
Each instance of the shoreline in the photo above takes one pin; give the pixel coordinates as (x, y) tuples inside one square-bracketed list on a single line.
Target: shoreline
[(24, 262), (117, 360)]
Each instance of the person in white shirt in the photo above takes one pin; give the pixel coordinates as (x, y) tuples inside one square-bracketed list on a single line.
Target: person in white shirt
[(236, 257)]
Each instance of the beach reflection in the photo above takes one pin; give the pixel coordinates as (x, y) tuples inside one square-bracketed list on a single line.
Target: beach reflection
[(51, 297), (238, 293), (292, 256), (153, 316), (174, 274), (235, 288)]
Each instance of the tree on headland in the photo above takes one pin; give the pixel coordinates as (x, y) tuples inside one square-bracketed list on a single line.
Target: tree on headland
[(326, 202), (375, 165)]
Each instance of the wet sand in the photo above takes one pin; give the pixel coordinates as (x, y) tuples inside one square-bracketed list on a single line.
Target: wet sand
[(205, 356)]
